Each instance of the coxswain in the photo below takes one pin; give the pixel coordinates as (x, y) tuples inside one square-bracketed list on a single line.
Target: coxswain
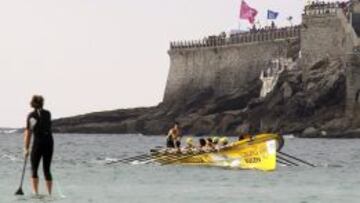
[(174, 137)]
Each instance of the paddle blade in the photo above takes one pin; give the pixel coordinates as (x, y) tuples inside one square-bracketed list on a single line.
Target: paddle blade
[(19, 192)]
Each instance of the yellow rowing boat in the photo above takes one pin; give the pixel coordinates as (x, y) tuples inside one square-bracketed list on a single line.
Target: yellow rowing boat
[(256, 153)]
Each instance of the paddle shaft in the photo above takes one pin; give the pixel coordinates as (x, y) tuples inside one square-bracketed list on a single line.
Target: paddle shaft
[(19, 191), (23, 172)]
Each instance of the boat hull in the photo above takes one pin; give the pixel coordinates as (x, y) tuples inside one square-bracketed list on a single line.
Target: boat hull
[(257, 153)]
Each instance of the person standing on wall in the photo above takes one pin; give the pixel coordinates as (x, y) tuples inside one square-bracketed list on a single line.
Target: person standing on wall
[(38, 125)]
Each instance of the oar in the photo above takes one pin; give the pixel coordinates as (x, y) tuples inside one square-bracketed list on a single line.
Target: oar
[(140, 157), (282, 162), (184, 157), (286, 160), (164, 157), (297, 159), (145, 157), (19, 191), (128, 159), (171, 157)]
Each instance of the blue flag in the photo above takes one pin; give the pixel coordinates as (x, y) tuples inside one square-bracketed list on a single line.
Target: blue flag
[(272, 15)]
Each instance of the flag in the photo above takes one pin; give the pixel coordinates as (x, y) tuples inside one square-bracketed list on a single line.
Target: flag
[(272, 15), (246, 12)]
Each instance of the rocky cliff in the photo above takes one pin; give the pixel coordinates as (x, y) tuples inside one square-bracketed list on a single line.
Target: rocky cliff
[(214, 84), (312, 106)]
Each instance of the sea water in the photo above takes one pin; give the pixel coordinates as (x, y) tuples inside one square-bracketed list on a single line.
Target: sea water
[(81, 174)]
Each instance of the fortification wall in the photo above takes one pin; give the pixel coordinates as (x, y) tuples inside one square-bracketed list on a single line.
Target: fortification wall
[(353, 87), (326, 32), (223, 64)]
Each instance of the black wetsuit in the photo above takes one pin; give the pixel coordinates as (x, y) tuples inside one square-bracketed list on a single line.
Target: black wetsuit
[(39, 124), (170, 143)]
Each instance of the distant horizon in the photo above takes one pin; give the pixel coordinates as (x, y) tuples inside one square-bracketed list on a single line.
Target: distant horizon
[(105, 55)]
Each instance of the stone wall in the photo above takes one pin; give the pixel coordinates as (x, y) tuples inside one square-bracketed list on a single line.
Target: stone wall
[(353, 87), (224, 65), (329, 31), (326, 32)]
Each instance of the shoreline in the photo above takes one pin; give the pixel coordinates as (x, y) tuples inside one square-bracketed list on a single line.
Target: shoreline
[(346, 135)]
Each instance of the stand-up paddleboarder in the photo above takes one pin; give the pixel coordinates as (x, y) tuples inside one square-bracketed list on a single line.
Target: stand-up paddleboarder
[(38, 125)]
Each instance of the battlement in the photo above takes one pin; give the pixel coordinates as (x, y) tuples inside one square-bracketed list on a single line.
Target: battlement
[(258, 35), (329, 8)]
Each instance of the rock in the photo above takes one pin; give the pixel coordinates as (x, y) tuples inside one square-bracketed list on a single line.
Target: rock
[(287, 91), (242, 129), (337, 124), (310, 132)]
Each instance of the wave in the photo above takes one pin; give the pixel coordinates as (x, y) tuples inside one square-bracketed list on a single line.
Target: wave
[(8, 131), (9, 157)]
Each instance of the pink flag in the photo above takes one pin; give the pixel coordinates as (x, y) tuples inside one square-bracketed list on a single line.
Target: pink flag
[(246, 12)]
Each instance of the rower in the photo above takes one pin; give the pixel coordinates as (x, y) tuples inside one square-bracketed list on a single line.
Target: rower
[(189, 143), (173, 138), (215, 140), (216, 143), (209, 144), (245, 136), (224, 141), (202, 144), (190, 147)]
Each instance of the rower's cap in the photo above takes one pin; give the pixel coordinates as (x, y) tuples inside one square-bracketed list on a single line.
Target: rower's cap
[(189, 140), (215, 139), (224, 140)]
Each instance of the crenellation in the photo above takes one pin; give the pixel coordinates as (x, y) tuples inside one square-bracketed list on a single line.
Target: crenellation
[(260, 35), (326, 8)]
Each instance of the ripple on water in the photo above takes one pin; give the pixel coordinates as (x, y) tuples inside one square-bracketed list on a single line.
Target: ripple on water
[(79, 163)]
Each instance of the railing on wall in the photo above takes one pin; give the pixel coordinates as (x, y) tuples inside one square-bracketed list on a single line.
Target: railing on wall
[(258, 35)]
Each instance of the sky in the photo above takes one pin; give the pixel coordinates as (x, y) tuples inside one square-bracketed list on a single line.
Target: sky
[(93, 55)]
